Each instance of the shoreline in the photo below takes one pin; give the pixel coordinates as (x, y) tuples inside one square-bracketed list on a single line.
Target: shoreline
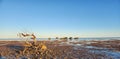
[(75, 48)]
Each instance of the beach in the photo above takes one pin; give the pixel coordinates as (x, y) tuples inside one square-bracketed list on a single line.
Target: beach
[(62, 49)]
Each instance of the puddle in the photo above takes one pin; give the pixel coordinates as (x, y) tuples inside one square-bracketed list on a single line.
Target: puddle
[(2, 58), (110, 52), (99, 50)]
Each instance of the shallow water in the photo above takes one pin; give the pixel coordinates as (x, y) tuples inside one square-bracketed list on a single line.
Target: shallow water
[(110, 52), (2, 58), (80, 39), (99, 50)]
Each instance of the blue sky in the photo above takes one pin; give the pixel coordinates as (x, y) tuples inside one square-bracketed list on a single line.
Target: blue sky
[(51, 18)]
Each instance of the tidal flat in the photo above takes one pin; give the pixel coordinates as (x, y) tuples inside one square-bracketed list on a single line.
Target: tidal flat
[(63, 49)]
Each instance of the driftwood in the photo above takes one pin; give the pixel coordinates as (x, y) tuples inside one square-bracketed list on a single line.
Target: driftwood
[(32, 47)]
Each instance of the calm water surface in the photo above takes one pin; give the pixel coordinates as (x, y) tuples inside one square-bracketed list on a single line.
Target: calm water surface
[(86, 39)]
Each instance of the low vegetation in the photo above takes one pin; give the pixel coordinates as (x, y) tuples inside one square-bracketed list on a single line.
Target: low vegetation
[(33, 49)]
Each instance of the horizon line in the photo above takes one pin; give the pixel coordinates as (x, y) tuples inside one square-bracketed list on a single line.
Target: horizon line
[(72, 37)]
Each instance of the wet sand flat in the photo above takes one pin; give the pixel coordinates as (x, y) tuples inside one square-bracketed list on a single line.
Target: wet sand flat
[(64, 50)]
